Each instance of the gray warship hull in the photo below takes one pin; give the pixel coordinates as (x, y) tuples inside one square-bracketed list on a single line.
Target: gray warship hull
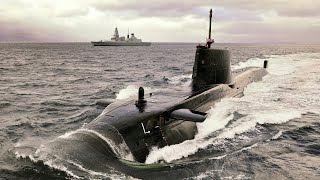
[(111, 43)]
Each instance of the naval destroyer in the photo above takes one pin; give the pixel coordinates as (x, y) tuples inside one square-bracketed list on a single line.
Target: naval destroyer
[(116, 40)]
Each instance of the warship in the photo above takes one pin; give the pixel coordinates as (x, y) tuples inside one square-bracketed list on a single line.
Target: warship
[(136, 125), (116, 40)]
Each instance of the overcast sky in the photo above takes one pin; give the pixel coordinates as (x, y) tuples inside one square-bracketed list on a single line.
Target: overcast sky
[(235, 21)]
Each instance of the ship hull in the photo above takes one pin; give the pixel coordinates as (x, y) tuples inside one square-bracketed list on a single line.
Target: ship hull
[(106, 43)]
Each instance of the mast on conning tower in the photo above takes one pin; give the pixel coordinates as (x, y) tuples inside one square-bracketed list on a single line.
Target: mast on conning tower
[(210, 41)]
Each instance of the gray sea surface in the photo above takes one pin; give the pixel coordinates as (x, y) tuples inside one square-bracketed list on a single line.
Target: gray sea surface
[(48, 90)]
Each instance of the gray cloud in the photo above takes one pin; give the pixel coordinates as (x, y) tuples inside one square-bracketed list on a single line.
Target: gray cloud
[(148, 8), (268, 32), (159, 20), (16, 31), (189, 7), (301, 12), (73, 12)]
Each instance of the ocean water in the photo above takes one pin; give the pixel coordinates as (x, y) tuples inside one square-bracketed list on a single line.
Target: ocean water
[(48, 91)]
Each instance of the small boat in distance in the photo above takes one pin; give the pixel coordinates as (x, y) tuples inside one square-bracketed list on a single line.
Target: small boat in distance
[(116, 40)]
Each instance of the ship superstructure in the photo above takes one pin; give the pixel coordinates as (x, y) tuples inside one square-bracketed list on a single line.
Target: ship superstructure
[(116, 40)]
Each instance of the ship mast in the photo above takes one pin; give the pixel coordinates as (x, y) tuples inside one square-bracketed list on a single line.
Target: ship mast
[(128, 34)]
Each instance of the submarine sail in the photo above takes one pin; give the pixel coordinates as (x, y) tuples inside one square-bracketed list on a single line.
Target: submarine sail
[(211, 66)]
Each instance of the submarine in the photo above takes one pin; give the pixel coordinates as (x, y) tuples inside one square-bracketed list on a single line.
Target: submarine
[(157, 120), (132, 127)]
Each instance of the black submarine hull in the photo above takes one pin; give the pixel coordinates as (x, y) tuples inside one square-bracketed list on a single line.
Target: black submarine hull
[(130, 128), (153, 126), (106, 140), (203, 101)]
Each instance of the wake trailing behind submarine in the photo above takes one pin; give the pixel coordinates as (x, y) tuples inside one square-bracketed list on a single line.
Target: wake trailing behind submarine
[(133, 126)]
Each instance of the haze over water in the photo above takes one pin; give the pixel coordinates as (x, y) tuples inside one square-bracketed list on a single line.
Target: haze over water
[(50, 89)]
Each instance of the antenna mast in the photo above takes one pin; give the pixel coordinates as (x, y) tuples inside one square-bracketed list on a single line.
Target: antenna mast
[(209, 42)]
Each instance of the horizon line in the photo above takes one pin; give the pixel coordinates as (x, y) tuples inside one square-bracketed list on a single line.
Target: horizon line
[(161, 42)]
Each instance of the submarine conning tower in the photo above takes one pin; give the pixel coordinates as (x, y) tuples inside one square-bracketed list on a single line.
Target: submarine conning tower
[(211, 65)]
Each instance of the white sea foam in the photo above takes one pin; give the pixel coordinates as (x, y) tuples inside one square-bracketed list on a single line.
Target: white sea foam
[(257, 62), (277, 135), (121, 150), (184, 79), (28, 141), (210, 174), (131, 91), (290, 90), (20, 155), (51, 163), (99, 175), (218, 118)]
